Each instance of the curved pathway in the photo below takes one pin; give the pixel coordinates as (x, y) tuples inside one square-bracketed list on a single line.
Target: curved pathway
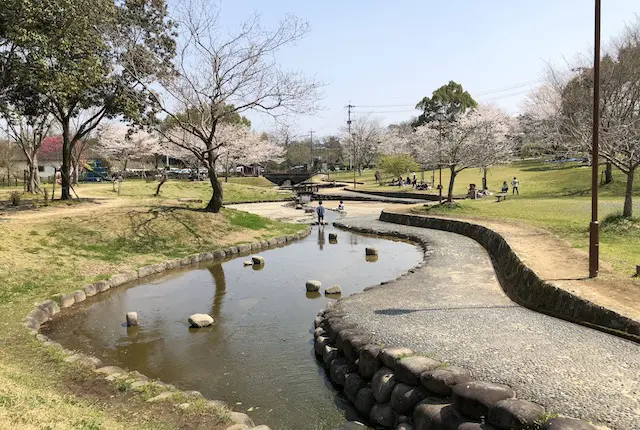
[(454, 308)]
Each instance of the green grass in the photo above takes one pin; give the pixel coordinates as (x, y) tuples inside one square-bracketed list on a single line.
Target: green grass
[(537, 179), (566, 217)]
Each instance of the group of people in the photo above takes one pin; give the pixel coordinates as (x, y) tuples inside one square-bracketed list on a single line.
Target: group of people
[(413, 182), (475, 193)]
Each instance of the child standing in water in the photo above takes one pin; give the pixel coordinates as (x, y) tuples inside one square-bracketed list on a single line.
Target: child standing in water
[(320, 212)]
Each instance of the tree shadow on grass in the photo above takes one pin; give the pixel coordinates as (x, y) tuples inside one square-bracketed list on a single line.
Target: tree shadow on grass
[(552, 167)]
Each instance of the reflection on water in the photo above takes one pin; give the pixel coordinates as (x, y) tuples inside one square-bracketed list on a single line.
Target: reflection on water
[(258, 353), (321, 237)]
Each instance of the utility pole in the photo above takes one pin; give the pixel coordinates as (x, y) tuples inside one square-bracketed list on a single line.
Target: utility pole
[(311, 144), (353, 142), (594, 227)]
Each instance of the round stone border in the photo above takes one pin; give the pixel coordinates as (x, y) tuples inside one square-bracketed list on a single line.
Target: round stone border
[(394, 388), (136, 381)]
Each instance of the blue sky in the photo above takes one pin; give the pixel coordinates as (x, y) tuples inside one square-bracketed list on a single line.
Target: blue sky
[(378, 53)]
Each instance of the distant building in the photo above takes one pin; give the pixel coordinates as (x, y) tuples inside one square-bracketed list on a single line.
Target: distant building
[(249, 170)]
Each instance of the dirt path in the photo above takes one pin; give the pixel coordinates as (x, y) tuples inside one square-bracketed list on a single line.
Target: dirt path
[(59, 210), (556, 261)]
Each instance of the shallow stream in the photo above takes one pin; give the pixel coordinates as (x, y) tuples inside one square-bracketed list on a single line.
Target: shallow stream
[(258, 356)]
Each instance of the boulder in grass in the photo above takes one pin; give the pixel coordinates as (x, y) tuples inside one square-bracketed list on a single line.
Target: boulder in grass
[(370, 251), (200, 320), (313, 285), (333, 291), (256, 259)]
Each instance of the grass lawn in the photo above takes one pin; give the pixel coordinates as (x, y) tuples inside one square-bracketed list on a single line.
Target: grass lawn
[(537, 179), (59, 249)]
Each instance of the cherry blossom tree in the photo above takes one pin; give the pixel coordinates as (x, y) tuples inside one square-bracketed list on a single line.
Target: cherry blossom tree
[(123, 144), (220, 74), (363, 145), (476, 139)]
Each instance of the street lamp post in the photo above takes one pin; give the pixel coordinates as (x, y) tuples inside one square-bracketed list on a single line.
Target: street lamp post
[(594, 227)]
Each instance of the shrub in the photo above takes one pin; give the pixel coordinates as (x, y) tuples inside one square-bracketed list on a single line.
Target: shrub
[(15, 197)]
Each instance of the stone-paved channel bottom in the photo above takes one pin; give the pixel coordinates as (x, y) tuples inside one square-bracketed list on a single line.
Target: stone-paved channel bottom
[(258, 356), (454, 309)]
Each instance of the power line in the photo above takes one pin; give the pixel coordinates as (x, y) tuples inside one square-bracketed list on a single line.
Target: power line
[(477, 94)]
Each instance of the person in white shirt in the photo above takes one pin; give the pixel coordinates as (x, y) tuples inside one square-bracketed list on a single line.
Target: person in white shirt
[(514, 186)]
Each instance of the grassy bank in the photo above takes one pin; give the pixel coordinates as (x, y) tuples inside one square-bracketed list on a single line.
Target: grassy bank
[(537, 179), (568, 218), (59, 249)]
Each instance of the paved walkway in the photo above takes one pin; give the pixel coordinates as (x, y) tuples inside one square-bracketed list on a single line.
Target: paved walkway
[(454, 308), (557, 262)]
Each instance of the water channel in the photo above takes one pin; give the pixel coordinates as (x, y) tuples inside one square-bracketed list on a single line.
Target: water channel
[(258, 356)]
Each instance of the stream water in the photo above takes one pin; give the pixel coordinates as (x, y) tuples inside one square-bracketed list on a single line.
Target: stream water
[(258, 356)]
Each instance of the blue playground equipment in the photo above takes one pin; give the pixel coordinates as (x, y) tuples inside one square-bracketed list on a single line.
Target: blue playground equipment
[(96, 172)]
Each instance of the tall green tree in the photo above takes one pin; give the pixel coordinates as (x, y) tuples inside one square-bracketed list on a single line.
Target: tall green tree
[(84, 61), (449, 100)]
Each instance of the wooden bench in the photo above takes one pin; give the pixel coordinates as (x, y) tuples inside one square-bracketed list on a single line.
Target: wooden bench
[(502, 196)]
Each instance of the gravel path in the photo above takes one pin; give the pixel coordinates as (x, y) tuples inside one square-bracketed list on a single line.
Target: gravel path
[(454, 308)]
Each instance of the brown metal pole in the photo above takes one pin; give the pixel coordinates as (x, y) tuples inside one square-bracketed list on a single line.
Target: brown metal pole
[(440, 185), (594, 227)]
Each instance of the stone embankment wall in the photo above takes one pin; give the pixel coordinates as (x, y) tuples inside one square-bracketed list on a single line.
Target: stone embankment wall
[(397, 389), (399, 195), (522, 284), (44, 311)]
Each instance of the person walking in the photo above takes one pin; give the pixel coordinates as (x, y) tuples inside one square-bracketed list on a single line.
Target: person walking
[(320, 212), (514, 185)]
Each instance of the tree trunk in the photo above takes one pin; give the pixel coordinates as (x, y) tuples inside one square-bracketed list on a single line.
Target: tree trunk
[(451, 182), (162, 181), (226, 169), (627, 212), (33, 180), (76, 172), (608, 173), (65, 170), (215, 203), (484, 178)]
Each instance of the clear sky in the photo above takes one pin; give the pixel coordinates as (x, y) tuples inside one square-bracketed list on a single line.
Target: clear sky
[(385, 52)]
